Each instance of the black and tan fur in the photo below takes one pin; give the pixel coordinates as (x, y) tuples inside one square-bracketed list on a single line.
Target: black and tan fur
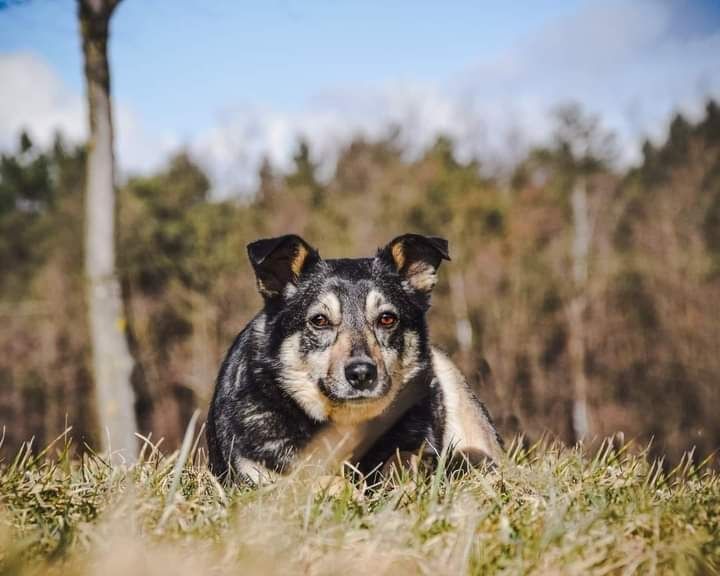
[(338, 366)]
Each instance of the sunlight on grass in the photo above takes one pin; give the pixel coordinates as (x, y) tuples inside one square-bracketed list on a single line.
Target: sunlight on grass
[(548, 509)]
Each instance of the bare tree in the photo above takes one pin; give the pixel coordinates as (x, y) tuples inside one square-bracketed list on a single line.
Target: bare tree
[(578, 306), (112, 362), (583, 149), (463, 327)]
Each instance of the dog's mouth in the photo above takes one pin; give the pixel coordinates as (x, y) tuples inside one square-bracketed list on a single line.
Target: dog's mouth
[(351, 406), (344, 394)]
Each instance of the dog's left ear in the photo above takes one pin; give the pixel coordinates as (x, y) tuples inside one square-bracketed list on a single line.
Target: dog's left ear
[(280, 261), (416, 258)]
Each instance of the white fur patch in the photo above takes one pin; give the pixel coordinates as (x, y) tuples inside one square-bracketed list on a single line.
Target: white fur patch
[(376, 304), (422, 276), (297, 379), (390, 358), (255, 472), (239, 374), (254, 418), (274, 445), (329, 305), (259, 325), (466, 426), (411, 356)]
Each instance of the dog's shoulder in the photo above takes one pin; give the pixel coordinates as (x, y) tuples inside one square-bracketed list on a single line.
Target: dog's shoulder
[(466, 422), (251, 417)]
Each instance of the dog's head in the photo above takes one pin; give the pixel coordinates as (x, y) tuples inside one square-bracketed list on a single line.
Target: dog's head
[(345, 335)]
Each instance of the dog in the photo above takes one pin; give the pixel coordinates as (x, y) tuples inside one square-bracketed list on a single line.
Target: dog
[(338, 366)]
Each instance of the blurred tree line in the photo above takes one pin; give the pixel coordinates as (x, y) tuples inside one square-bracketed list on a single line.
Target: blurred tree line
[(506, 306)]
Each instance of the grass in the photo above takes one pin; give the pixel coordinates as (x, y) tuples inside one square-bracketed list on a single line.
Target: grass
[(547, 510)]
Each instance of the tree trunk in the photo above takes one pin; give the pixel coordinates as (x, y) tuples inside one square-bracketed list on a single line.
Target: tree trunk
[(112, 362), (463, 327), (576, 312)]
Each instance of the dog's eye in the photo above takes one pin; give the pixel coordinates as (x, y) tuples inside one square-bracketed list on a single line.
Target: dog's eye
[(320, 321), (387, 320)]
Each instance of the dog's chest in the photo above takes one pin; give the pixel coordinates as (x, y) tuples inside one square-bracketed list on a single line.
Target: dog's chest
[(337, 442)]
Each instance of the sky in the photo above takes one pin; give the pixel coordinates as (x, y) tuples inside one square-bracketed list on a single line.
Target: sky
[(235, 81)]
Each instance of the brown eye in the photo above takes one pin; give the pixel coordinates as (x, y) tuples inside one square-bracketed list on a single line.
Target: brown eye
[(387, 320), (320, 321)]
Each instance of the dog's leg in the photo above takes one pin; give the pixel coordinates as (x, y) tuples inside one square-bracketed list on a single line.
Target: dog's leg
[(253, 472), (465, 423)]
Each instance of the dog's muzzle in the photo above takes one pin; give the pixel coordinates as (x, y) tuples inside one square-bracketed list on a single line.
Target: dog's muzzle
[(358, 381)]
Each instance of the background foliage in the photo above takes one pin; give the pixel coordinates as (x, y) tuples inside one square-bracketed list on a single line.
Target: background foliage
[(652, 313)]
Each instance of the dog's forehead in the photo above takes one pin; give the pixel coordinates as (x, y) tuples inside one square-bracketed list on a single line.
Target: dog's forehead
[(351, 294), (354, 282), (350, 268)]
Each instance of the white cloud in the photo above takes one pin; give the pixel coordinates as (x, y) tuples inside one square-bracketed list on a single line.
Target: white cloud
[(34, 98), (233, 149), (624, 61), (138, 149), (627, 62)]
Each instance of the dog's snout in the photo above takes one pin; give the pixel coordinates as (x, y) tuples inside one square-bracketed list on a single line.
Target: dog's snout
[(361, 373)]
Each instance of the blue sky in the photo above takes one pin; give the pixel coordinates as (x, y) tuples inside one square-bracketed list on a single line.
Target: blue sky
[(180, 62), (235, 80)]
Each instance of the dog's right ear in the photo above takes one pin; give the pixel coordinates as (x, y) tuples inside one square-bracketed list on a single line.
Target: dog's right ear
[(280, 261)]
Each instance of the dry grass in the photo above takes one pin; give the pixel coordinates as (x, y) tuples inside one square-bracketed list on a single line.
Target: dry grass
[(547, 510)]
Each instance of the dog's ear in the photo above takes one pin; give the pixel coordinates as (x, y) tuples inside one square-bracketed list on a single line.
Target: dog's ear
[(280, 261), (416, 258)]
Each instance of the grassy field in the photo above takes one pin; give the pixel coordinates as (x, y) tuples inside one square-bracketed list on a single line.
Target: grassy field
[(547, 510)]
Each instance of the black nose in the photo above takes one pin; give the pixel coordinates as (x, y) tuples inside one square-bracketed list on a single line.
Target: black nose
[(360, 374)]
